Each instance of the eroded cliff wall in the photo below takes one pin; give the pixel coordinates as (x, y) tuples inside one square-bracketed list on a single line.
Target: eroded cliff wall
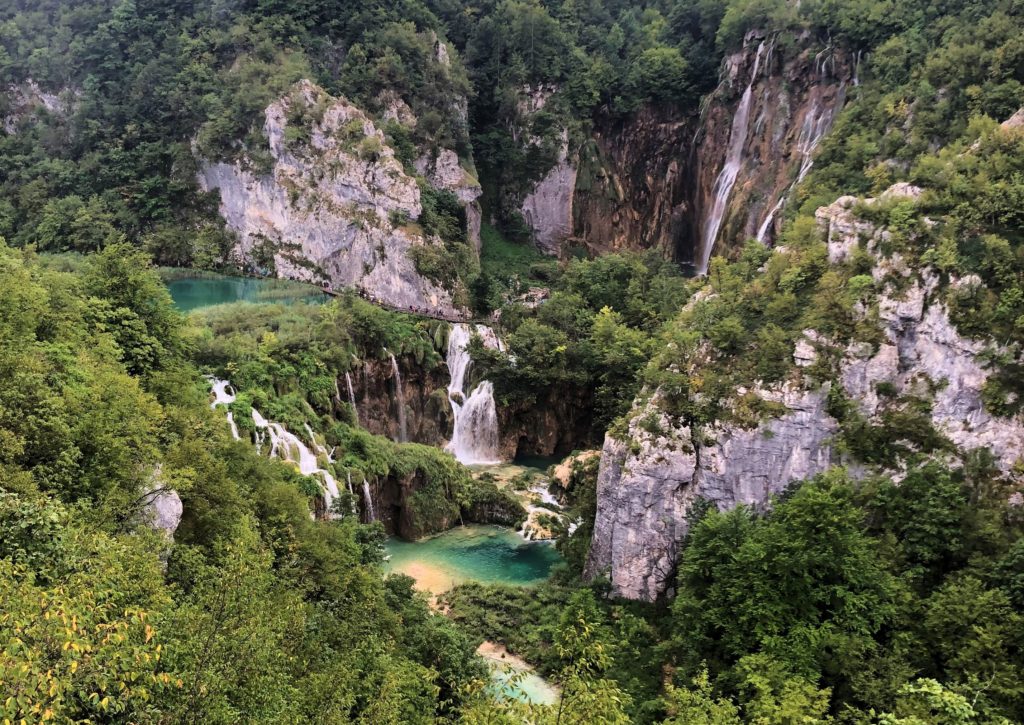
[(660, 178), (650, 477), (336, 207)]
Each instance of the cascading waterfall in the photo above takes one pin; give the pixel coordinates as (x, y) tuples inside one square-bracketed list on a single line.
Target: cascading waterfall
[(817, 123), (762, 231), (352, 397), (475, 431), (289, 447), (403, 433), (223, 394), (368, 502), (731, 168)]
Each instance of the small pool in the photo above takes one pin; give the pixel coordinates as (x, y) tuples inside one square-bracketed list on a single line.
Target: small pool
[(194, 293), (486, 554)]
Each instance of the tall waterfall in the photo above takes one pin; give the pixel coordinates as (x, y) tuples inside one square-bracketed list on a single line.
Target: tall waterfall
[(352, 396), (403, 433), (475, 434), (731, 168), (368, 502), (223, 394)]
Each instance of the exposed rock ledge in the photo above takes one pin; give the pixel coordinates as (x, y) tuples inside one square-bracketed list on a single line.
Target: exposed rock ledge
[(335, 208), (648, 482)]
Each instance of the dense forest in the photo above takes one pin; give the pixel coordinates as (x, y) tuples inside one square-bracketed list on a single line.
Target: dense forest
[(888, 590)]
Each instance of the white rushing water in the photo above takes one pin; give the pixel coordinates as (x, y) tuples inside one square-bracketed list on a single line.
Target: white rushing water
[(352, 396), (762, 231), (223, 394), (475, 431), (396, 374), (816, 124), (368, 502), (730, 170), (283, 444)]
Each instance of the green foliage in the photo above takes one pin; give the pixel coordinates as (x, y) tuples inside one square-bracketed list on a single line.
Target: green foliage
[(254, 612)]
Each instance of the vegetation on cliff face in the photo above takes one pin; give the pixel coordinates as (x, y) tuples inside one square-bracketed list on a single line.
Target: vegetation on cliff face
[(887, 599)]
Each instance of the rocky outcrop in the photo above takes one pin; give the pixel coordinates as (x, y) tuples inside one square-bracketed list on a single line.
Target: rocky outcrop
[(922, 355), (336, 208), (547, 209), (22, 100), (162, 510), (444, 170), (647, 484), (648, 481)]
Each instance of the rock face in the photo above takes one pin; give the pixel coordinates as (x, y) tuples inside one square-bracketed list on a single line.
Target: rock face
[(646, 485), (336, 207), (162, 510), (648, 482), (444, 170), (923, 354), (428, 413), (793, 100), (25, 99), (633, 189), (659, 180), (548, 208)]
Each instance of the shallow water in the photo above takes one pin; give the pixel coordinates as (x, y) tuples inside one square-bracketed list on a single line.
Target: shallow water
[(486, 554), (513, 677), (193, 293)]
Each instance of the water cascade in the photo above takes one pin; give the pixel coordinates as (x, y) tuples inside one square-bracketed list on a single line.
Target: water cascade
[(403, 433), (475, 433), (817, 122), (223, 394), (368, 502), (762, 231), (289, 447), (352, 396), (731, 168)]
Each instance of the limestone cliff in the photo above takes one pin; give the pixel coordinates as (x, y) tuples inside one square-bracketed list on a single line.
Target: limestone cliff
[(650, 478), (336, 207)]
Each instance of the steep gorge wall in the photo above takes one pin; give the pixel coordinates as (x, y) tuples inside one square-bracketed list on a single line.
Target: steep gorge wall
[(796, 89), (649, 480), (650, 180)]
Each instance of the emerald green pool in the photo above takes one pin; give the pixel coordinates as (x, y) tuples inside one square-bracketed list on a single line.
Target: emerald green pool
[(486, 554), (194, 293)]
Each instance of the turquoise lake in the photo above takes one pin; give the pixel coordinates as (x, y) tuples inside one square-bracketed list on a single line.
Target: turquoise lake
[(194, 293), (486, 554)]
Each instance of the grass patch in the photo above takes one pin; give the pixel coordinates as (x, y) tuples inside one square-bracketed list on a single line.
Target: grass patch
[(502, 259)]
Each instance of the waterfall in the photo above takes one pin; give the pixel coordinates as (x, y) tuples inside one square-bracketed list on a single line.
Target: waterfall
[(762, 231), (403, 433), (289, 447), (731, 168), (368, 502), (352, 396), (475, 433), (223, 394), (816, 124)]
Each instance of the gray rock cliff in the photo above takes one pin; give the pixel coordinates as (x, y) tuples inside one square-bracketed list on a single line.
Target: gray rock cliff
[(649, 481), (336, 208)]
